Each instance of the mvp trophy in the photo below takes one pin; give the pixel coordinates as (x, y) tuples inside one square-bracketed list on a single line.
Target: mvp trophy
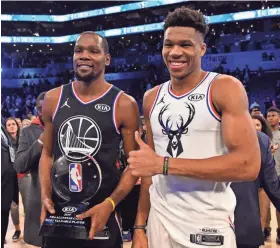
[(74, 185)]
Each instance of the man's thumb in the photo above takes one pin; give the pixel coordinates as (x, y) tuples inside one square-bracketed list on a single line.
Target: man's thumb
[(138, 139)]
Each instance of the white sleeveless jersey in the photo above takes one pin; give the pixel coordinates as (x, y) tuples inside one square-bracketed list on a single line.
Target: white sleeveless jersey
[(188, 126)]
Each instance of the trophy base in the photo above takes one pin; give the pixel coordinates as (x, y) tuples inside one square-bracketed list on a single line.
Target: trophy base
[(64, 224), (64, 231)]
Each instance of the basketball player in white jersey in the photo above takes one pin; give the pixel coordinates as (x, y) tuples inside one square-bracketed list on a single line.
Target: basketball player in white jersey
[(200, 128)]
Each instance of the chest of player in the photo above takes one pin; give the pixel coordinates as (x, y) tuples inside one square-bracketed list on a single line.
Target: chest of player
[(187, 115), (91, 120), (89, 125)]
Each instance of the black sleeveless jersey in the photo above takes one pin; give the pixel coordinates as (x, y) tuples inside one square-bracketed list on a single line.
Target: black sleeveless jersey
[(88, 129)]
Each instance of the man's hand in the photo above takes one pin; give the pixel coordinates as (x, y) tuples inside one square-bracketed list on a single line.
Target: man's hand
[(99, 216), (274, 148), (144, 162), (139, 239), (47, 206)]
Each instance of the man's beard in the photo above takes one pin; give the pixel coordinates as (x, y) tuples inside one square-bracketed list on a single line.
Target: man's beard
[(86, 78)]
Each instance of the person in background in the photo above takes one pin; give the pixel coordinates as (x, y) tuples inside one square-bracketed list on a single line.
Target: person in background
[(27, 161), (273, 118), (248, 229), (263, 126), (18, 120), (8, 175), (31, 117), (255, 109), (143, 129), (26, 123), (13, 130)]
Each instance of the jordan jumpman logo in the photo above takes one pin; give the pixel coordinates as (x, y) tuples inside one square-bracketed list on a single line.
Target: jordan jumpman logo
[(65, 104), (162, 100)]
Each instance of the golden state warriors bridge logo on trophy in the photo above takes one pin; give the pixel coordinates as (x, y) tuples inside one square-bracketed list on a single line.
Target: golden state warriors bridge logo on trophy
[(77, 171), (79, 138)]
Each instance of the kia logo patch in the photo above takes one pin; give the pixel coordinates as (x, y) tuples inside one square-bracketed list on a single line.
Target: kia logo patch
[(102, 107), (196, 97)]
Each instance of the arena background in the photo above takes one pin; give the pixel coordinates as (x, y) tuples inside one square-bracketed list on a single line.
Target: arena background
[(37, 40)]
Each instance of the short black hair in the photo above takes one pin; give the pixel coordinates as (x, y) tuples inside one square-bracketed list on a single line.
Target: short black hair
[(104, 40), (40, 97), (273, 109), (185, 17)]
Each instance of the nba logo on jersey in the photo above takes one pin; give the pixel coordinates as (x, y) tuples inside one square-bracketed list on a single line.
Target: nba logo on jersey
[(75, 177)]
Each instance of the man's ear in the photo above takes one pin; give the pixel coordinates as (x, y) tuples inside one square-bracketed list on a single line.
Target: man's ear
[(107, 59), (203, 49)]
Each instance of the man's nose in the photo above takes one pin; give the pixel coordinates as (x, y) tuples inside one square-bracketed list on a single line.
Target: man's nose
[(84, 55), (176, 51)]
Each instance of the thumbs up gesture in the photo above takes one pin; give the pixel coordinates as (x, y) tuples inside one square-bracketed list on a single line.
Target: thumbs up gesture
[(144, 162)]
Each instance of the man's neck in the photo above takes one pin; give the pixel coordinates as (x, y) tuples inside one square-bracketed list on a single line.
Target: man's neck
[(92, 89), (275, 128), (188, 83)]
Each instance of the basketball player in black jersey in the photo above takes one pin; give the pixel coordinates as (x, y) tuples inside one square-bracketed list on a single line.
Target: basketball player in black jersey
[(91, 115)]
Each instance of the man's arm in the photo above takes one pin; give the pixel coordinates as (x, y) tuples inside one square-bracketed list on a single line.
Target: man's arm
[(242, 162), (268, 176), (128, 119), (46, 160), (27, 157)]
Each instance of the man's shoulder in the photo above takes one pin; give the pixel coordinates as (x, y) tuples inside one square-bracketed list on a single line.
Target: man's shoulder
[(126, 103), (126, 99), (225, 78), (262, 136), (31, 128), (151, 93), (53, 93), (277, 133), (264, 141)]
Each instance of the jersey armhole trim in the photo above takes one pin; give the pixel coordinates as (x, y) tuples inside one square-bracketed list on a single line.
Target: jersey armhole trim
[(58, 102), (231, 224), (155, 100), (212, 109), (114, 111), (119, 223)]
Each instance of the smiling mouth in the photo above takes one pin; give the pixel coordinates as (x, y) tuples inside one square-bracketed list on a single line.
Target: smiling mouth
[(177, 64), (85, 66)]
